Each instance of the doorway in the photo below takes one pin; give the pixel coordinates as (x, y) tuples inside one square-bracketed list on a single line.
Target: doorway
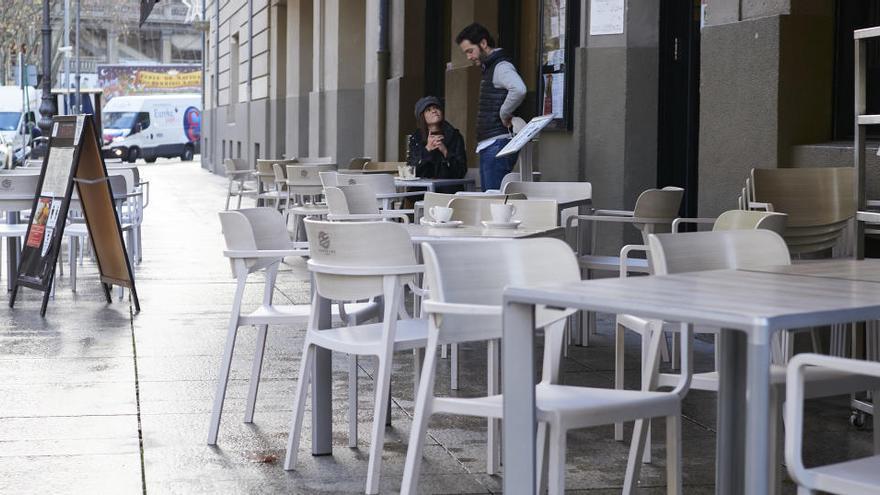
[(679, 99)]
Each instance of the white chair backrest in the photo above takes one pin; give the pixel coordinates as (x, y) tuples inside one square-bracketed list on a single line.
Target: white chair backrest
[(315, 160), (17, 191), (329, 178), (747, 220), (472, 210), (716, 250), (356, 200), (380, 183), (511, 177), (560, 191), (478, 273), (434, 199), (536, 213), (306, 179), (235, 164), (254, 229), (350, 246)]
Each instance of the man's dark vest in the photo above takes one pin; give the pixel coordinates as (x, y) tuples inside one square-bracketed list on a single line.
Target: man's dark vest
[(491, 98)]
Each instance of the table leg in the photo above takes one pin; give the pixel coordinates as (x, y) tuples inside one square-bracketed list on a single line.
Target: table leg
[(518, 370), (758, 462), (730, 444), (322, 385)]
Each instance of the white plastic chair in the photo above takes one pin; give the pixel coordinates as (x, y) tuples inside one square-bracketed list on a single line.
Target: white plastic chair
[(383, 187), (853, 477), (238, 173), (304, 191), (466, 281), (257, 240), (354, 261), (358, 203)]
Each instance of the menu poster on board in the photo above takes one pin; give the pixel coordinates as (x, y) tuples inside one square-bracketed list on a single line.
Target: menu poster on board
[(558, 23)]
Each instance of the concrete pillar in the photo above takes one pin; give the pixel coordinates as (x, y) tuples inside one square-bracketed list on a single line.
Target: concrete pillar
[(406, 83), (277, 78), (621, 114), (336, 103), (112, 46), (462, 77), (299, 79), (773, 56), (166, 47)]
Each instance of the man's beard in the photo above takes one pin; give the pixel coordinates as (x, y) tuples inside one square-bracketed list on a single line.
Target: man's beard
[(482, 58)]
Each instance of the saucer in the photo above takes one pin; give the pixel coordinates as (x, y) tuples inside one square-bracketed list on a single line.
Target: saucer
[(442, 225), (501, 225), (407, 178)]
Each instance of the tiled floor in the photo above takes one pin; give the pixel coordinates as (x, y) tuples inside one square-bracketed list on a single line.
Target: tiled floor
[(95, 400)]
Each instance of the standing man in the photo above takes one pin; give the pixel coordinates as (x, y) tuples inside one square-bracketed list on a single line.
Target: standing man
[(501, 91)]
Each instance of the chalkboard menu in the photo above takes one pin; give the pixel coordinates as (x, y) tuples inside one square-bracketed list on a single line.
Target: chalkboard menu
[(73, 158)]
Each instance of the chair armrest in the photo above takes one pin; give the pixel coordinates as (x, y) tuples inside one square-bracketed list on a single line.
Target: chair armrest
[(265, 253), (146, 189), (624, 256), (615, 213), (387, 215), (372, 271), (680, 220), (460, 309), (794, 407)]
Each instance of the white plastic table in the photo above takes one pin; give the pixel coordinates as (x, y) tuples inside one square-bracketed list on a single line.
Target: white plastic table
[(750, 306)]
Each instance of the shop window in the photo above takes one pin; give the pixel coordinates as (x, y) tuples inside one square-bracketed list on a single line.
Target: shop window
[(849, 16), (559, 37)]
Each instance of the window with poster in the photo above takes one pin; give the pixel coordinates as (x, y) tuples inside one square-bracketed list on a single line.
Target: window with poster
[(558, 37)]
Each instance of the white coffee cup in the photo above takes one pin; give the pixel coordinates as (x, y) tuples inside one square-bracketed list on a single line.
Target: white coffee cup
[(502, 213), (440, 213)]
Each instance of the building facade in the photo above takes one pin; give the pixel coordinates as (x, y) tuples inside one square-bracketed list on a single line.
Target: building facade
[(692, 93)]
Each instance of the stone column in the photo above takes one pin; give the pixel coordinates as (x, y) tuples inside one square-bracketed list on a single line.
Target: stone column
[(337, 100), (166, 47), (277, 78), (299, 79), (112, 46), (766, 85), (621, 114)]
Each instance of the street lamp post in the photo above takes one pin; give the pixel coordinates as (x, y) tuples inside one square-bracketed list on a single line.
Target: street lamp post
[(48, 107)]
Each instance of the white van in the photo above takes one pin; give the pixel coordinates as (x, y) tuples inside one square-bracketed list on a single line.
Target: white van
[(18, 113), (150, 127)]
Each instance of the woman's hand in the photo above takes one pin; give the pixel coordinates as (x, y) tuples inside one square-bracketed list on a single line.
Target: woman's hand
[(435, 142)]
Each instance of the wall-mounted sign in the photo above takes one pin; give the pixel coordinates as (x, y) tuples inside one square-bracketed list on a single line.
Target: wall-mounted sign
[(607, 17), (559, 36)]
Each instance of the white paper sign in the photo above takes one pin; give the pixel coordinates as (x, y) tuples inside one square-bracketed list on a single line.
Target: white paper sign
[(606, 17), (526, 134), (57, 171)]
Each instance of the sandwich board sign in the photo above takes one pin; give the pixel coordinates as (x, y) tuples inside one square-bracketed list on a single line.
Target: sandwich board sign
[(73, 159)]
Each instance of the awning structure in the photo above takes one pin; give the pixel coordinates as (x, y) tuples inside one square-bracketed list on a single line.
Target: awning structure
[(146, 8)]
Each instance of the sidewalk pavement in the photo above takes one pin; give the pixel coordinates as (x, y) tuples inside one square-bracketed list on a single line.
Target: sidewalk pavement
[(94, 399)]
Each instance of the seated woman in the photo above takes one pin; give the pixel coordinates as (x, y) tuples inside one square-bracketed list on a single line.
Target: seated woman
[(436, 149)]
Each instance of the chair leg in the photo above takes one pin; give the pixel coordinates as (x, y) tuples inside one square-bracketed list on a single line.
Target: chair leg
[(493, 428), (299, 404), (453, 367), (419, 429), (541, 458), (556, 469), (444, 351), (352, 400), (619, 364), (673, 455), (646, 343), (222, 380), (383, 382), (875, 418), (73, 247), (256, 369), (633, 464), (674, 357), (777, 441)]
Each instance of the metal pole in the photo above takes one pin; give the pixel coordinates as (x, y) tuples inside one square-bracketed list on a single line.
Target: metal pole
[(48, 108), (76, 42), (66, 43)]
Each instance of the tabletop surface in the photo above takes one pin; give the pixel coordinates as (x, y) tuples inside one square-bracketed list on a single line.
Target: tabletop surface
[(424, 181), (846, 269), (422, 233), (722, 298)]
